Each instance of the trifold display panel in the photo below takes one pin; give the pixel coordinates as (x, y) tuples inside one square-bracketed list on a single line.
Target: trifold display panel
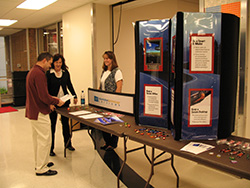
[(203, 80), (152, 72)]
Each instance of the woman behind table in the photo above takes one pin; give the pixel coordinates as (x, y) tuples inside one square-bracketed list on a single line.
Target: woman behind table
[(59, 83), (111, 80)]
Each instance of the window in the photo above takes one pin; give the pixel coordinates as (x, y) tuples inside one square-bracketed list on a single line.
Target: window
[(50, 39)]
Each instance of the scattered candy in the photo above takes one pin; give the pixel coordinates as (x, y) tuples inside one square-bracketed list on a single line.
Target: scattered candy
[(231, 142), (218, 155), (234, 152), (240, 154), (239, 143), (231, 158), (246, 146), (233, 161), (152, 133), (222, 141)]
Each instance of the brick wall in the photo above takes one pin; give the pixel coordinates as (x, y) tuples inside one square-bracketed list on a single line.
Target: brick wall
[(32, 47), (19, 51)]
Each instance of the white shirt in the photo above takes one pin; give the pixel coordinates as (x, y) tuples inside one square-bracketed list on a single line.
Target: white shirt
[(118, 77), (58, 75)]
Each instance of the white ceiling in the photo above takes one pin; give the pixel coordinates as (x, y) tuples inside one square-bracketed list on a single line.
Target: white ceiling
[(48, 15)]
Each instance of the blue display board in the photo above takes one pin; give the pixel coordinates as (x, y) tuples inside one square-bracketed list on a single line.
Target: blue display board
[(152, 72), (198, 62)]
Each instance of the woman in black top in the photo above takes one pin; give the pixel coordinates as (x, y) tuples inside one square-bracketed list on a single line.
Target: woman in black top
[(59, 83)]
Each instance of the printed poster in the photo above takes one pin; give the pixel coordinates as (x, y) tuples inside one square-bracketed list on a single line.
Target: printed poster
[(201, 53), (153, 100), (200, 107)]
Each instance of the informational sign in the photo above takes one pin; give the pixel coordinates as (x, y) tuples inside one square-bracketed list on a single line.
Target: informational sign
[(114, 101), (153, 100), (200, 107), (201, 53)]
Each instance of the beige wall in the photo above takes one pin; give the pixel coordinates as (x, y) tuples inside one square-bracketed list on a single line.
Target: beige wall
[(86, 35), (77, 43), (125, 47), (102, 39)]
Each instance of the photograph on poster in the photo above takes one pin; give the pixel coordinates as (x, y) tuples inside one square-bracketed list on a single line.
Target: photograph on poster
[(153, 54)]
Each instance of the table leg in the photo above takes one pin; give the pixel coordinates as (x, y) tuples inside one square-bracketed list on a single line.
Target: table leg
[(70, 135), (172, 165), (153, 164), (124, 160), (92, 138), (152, 167)]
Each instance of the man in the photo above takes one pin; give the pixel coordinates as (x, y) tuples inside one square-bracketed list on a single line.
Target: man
[(38, 106)]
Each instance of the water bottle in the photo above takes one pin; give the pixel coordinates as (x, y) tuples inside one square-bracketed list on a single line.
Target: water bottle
[(83, 98)]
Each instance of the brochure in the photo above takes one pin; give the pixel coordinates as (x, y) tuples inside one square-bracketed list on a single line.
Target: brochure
[(108, 120)]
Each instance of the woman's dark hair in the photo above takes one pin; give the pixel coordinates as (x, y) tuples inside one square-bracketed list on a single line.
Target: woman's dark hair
[(56, 58), (111, 56)]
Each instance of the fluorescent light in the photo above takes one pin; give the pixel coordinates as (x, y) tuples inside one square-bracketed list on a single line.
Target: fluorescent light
[(6, 22), (35, 4)]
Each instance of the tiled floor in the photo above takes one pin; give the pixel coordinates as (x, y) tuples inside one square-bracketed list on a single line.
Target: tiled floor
[(85, 168)]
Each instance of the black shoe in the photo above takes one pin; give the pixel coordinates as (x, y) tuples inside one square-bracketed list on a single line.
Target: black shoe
[(104, 147), (71, 148), (52, 153), (50, 164), (48, 173)]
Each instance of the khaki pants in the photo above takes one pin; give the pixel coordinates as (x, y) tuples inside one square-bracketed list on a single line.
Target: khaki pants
[(41, 132)]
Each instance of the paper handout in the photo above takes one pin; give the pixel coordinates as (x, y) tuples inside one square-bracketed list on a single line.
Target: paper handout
[(196, 147), (66, 97)]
